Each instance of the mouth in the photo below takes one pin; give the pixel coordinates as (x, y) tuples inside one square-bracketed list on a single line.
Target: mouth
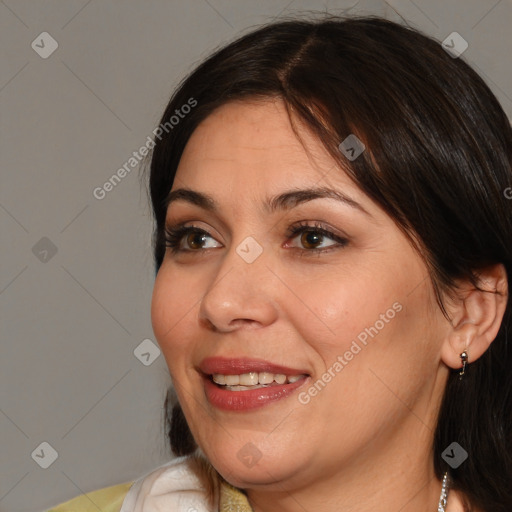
[(253, 380), (242, 384)]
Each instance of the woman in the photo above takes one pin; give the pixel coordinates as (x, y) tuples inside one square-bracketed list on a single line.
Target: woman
[(333, 251)]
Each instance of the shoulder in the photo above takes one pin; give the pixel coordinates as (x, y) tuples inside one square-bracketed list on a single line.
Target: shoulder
[(108, 499)]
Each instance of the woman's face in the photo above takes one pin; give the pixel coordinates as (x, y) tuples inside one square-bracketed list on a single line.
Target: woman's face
[(299, 279)]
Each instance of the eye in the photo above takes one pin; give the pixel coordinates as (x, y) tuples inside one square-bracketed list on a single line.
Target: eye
[(188, 239), (304, 237), (313, 238)]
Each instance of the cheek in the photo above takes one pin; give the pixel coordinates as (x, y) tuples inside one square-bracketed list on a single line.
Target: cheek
[(162, 295), (378, 353), (380, 315), (342, 306), (172, 302)]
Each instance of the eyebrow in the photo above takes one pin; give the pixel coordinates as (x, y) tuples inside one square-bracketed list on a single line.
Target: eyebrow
[(283, 201)]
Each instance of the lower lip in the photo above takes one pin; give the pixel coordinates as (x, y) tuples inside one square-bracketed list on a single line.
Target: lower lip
[(250, 399)]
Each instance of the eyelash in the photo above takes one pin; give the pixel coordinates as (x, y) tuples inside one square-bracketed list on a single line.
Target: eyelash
[(175, 234)]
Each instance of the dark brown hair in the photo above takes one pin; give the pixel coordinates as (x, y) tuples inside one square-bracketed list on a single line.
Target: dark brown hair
[(438, 160)]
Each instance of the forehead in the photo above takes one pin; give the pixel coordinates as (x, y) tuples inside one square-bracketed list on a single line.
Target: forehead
[(252, 124), (252, 145)]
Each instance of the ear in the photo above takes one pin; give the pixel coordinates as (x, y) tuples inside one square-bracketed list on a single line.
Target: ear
[(476, 316)]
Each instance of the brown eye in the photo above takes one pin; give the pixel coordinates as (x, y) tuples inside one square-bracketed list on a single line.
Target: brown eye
[(311, 239), (188, 239), (195, 240)]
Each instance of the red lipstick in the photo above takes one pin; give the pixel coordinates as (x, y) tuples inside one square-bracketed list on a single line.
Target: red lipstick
[(224, 397), (237, 366)]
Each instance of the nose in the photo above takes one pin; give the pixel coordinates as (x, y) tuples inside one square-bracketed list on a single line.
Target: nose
[(242, 295)]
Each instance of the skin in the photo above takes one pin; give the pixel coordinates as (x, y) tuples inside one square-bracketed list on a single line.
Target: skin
[(371, 426)]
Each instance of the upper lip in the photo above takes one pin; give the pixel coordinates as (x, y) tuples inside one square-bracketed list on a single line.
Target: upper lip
[(241, 365)]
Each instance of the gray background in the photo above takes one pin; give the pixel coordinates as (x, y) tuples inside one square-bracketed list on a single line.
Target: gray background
[(71, 321)]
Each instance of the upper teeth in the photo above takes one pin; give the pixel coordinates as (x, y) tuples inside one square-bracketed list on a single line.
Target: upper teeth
[(253, 378)]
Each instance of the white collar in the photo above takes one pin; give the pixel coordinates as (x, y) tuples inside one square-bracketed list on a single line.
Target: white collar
[(172, 486)]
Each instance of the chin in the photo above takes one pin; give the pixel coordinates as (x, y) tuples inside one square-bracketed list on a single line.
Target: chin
[(251, 467), (246, 478)]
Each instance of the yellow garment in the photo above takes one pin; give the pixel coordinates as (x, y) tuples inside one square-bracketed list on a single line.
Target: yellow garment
[(233, 500), (109, 499)]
